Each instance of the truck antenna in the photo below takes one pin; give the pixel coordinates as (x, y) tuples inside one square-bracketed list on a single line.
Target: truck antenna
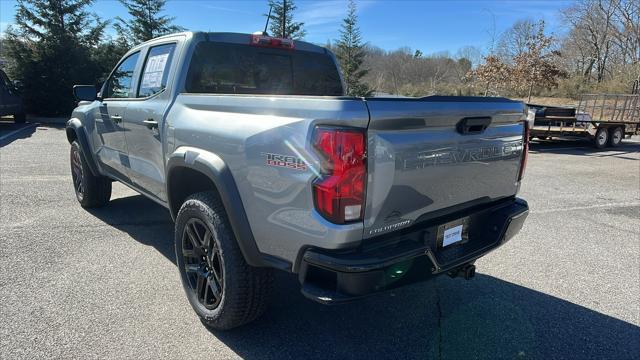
[(267, 24)]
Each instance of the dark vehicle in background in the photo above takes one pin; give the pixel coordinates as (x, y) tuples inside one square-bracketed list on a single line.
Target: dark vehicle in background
[(10, 99)]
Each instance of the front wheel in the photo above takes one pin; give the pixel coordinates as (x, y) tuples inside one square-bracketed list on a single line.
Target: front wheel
[(601, 138), (221, 287), (91, 191), (615, 136)]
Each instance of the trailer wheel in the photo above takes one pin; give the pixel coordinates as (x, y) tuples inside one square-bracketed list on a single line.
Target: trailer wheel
[(601, 138), (615, 136)]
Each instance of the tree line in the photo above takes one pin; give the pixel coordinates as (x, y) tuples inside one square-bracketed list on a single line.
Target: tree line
[(600, 52), (55, 44)]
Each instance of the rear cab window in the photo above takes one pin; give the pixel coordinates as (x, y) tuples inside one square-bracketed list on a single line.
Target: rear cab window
[(224, 68)]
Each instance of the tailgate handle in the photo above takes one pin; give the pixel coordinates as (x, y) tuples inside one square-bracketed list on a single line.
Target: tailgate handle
[(473, 125)]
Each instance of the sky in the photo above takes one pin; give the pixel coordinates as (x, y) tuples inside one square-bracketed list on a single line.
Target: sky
[(428, 25)]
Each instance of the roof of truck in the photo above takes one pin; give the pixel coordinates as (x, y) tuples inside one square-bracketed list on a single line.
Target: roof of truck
[(229, 37)]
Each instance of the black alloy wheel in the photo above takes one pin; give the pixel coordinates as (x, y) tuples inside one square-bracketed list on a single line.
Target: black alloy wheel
[(77, 173), (203, 263)]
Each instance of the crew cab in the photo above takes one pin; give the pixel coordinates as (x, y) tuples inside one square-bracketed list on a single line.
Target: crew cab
[(264, 163)]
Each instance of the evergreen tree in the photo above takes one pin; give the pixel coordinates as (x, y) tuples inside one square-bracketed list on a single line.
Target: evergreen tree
[(350, 51), (50, 48), (105, 56), (281, 21), (146, 22)]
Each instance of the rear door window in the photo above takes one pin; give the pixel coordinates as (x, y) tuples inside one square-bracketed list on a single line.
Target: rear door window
[(156, 70), (241, 69)]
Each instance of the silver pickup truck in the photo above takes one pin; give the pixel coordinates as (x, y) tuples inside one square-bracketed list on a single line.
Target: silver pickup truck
[(263, 163)]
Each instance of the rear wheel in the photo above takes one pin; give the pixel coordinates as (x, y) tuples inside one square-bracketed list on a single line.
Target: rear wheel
[(221, 287), (601, 138), (91, 191), (615, 136)]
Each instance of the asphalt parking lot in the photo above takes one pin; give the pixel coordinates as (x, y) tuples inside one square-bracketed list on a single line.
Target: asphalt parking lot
[(103, 284)]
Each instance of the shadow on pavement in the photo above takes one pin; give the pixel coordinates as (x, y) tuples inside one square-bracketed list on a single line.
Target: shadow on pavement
[(145, 221), (584, 147), (8, 132), (485, 318)]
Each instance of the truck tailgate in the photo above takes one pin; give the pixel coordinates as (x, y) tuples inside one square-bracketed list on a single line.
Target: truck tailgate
[(436, 155)]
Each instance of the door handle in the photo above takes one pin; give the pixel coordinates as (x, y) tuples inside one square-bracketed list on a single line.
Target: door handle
[(116, 119), (151, 124)]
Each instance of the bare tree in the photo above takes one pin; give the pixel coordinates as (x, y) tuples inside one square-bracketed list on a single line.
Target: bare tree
[(594, 20), (471, 53), (514, 40), (626, 31)]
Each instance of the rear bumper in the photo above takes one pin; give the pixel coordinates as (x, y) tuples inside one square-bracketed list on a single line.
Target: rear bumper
[(407, 256)]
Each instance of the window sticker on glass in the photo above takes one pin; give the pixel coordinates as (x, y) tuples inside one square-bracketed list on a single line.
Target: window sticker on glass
[(152, 76)]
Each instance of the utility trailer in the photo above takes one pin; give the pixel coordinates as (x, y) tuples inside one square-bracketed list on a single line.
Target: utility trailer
[(604, 118)]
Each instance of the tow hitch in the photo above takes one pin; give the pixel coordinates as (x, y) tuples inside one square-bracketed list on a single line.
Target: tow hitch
[(467, 272)]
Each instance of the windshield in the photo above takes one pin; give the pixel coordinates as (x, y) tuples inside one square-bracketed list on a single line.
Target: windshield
[(242, 69)]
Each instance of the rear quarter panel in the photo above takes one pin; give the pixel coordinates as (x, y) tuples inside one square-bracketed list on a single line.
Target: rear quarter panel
[(246, 131)]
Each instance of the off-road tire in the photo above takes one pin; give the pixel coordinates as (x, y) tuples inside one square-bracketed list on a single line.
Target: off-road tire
[(616, 135), (19, 118), (246, 290), (601, 139), (95, 191)]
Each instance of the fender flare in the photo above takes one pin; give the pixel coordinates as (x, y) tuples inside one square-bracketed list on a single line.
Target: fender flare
[(212, 166), (74, 126)]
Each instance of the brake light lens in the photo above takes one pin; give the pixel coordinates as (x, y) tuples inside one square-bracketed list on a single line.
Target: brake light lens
[(339, 194), (525, 150), (272, 42)]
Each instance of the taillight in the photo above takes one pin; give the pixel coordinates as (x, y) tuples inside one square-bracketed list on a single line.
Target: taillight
[(525, 150), (339, 193), (268, 41)]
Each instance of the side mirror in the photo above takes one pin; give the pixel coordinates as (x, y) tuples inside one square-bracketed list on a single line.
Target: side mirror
[(84, 92)]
